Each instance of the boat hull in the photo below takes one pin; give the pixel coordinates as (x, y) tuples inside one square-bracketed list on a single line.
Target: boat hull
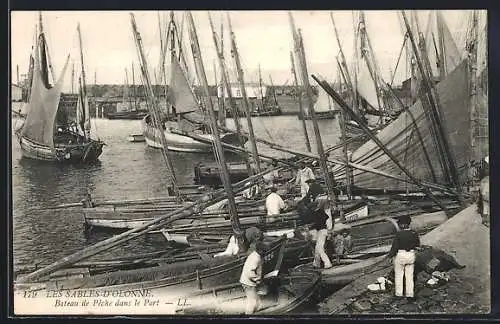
[(328, 114), (165, 282), (131, 115), (62, 153), (181, 143)]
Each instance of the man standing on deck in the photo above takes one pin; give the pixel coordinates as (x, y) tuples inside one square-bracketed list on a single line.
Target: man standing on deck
[(403, 250), (274, 205), (251, 276), (320, 218), (303, 174)]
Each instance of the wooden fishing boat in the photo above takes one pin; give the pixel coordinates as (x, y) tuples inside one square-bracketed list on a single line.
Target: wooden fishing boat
[(284, 294), (180, 143), (352, 266), (326, 114), (166, 280), (131, 115), (186, 113), (208, 174), (434, 137), (46, 133)]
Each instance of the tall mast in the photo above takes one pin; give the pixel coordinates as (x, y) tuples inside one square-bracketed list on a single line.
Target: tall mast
[(274, 90), (84, 87), (343, 63), (225, 84), (433, 99), (298, 91), (46, 46), (72, 78), (128, 91), (342, 122), (153, 105), (260, 89), (355, 66), (305, 79), (472, 51), (133, 87), (234, 51), (215, 131)]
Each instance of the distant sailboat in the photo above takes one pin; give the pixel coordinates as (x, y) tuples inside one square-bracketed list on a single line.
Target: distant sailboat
[(44, 136)]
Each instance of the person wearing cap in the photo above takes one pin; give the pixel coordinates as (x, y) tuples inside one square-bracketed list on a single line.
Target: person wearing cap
[(303, 174), (274, 204), (251, 276), (320, 218), (403, 249)]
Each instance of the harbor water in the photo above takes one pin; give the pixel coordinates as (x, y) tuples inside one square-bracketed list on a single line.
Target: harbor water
[(125, 171)]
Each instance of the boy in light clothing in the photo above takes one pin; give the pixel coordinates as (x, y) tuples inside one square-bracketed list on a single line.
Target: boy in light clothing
[(251, 276)]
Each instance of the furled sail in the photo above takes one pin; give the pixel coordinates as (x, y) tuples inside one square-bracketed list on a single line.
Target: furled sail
[(413, 146), (42, 108)]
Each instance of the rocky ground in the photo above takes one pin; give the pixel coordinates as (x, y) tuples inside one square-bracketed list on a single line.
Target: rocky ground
[(467, 292), (455, 296)]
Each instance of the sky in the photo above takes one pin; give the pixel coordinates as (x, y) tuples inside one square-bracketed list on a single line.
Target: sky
[(263, 37)]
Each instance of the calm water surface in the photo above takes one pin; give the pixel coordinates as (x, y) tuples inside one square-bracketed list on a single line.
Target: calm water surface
[(125, 171)]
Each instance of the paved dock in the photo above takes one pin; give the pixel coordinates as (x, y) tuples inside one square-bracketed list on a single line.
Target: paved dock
[(467, 292)]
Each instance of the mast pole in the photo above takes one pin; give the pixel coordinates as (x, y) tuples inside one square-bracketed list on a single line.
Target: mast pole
[(260, 90), (343, 62), (225, 83), (433, 98), (215, 131), (298, 95), (72, 78), (355, 68), (84, 87), (51, 67), (274, 91), (305, 77), (133, 87), (154, 106), (342, 122), (472, 51), (234, 51)]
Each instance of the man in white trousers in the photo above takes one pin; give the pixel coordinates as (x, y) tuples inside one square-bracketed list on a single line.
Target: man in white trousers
[(403, 250)]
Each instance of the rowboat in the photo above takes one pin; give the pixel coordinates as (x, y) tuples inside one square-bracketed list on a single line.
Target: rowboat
[(284, 294)]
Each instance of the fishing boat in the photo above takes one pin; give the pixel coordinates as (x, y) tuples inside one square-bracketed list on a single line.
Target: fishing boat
[(132, 114), (186, 115), (434, 137), (281, 296), (165, 278), (46, 133)]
